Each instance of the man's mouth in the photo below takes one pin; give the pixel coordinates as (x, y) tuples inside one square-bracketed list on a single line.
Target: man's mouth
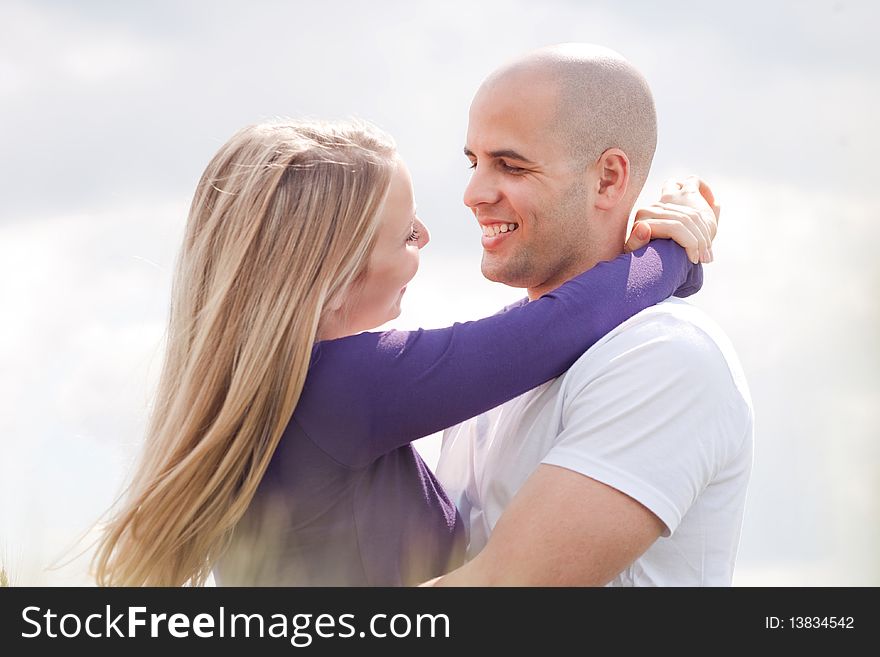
[(491, 230), (495, 234)]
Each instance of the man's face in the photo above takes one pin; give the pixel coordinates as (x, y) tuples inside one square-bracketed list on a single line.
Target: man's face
[(527, 193)]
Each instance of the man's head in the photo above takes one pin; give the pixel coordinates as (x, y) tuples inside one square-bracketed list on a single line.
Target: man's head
[(562, 140)]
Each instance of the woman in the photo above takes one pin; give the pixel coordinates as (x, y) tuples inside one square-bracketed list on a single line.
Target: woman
[(278, 449)]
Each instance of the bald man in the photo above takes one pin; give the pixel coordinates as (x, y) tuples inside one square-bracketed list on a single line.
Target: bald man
[(630, 469)]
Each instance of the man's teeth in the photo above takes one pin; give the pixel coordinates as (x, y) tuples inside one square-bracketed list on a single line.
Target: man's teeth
[(495, 229)]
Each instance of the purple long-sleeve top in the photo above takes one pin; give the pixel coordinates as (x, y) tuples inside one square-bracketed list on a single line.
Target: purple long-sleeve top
[(347, 500)]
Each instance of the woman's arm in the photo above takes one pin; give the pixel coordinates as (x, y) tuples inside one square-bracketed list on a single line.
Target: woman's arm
[(370, 393)]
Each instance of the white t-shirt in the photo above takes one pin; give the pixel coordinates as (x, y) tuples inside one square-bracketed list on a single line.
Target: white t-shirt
[(658, 409)]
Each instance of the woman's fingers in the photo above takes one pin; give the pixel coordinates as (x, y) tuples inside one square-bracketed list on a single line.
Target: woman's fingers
[(701, 221), (694, 192), (705, 191), (692, 184), (687, 213), (671, 189), (638, 236), (675, 230), (681, 223)]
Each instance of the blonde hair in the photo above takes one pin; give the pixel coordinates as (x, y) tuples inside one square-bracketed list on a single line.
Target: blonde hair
[(283, 220)]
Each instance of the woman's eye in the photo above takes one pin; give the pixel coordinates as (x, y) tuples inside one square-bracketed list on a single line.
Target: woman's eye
[(414, 235), (473, 165)]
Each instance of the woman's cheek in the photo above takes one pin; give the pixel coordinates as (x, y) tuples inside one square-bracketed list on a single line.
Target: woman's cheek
[(414, 266)]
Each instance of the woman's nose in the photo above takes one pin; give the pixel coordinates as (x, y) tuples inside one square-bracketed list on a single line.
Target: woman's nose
[(424, 234)]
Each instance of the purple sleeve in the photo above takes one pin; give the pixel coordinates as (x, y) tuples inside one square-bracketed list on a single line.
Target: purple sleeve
[(370, 393)]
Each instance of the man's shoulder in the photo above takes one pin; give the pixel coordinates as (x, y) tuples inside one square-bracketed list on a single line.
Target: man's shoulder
[(675, 323), (670, 339), (673, 313), (667, 374)]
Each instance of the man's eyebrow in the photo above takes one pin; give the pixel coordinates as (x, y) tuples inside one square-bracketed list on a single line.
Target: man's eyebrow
[(506, 152)]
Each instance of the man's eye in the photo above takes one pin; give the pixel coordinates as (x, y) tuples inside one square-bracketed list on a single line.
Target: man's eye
[(473, 165), (511, 169)]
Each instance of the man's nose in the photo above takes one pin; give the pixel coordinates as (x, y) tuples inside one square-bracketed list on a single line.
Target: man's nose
[(481, 189)]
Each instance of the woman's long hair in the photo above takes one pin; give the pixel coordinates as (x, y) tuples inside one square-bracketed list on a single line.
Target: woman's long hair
[(282, 221)]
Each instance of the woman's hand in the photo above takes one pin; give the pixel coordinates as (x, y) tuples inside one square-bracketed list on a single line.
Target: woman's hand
[(687, 213)]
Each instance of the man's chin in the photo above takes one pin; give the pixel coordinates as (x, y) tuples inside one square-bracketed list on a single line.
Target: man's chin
[(490, 275), (499, 274)]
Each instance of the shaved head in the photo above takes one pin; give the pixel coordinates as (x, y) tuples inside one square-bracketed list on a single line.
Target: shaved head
[(560, 142), (602, 102)]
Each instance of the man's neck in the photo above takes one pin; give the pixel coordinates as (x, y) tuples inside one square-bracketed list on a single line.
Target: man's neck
[(567, 272)]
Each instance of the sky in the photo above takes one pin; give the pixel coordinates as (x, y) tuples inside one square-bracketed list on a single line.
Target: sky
[(110, 111)]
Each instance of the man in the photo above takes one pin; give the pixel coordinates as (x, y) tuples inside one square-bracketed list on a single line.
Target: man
[(631, 468)]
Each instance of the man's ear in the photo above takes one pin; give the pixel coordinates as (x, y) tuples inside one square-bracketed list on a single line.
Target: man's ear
[(613, 178)]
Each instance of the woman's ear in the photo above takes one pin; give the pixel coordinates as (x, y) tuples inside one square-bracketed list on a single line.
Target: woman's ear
[(334, 303), (613, 177), (331, 323)]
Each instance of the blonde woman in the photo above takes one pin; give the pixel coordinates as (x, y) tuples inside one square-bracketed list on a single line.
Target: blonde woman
[(278, 448)]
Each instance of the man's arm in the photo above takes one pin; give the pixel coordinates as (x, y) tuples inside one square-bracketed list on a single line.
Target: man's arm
[(650, 415), (561, 529)]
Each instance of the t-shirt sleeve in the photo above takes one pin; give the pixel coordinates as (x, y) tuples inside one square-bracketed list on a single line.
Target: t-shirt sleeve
[(370, 393), (656, 420)]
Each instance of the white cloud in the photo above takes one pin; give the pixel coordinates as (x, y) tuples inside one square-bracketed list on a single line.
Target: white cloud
[(108, 58), (46, 43), (78, 355)]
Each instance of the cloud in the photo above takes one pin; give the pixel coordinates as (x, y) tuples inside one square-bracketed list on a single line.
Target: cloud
[(78, 354)]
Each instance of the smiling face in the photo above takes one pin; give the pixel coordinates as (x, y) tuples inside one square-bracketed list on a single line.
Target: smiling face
[(393, 261), (530, 197)]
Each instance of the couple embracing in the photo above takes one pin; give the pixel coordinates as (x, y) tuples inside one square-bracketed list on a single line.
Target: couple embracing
[(597, 432)]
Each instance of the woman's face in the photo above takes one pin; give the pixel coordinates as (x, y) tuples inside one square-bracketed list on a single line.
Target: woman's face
[(394, 260)]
